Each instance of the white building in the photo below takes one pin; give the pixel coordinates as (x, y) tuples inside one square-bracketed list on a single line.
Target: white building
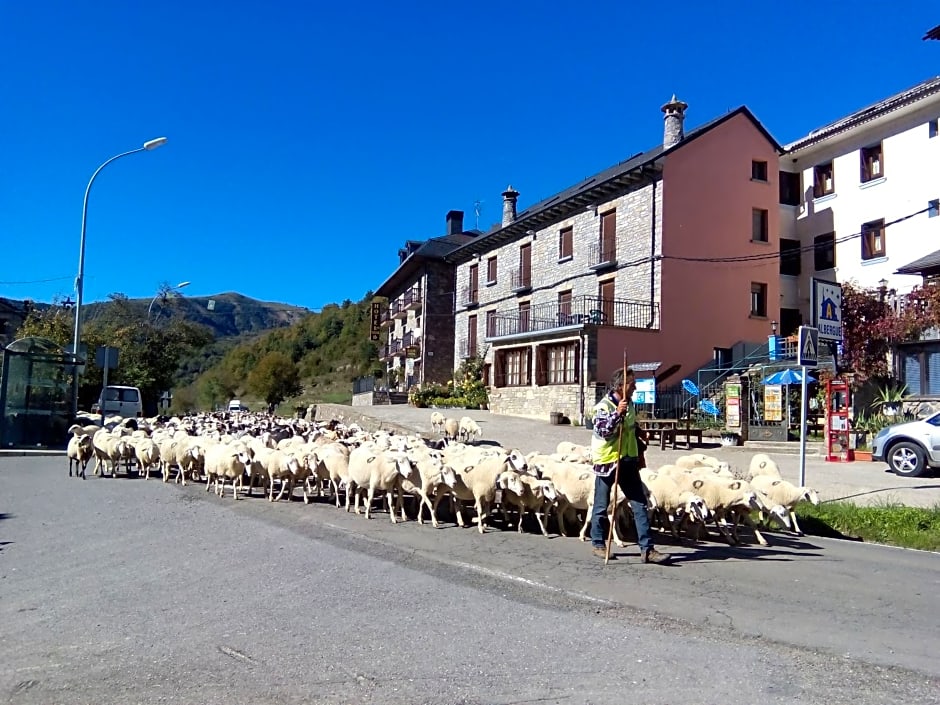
[(859, 197)]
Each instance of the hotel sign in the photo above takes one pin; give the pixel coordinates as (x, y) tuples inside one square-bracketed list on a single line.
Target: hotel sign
[(378, 305)]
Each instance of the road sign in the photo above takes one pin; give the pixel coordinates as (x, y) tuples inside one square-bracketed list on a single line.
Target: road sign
[(826, 303), (106, 357), (808, 348)]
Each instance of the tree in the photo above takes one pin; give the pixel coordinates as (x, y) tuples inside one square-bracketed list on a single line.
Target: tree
[(275, 378), (867, 330)]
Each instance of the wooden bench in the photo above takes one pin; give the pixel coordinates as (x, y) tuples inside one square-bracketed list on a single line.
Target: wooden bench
[(668, 437)]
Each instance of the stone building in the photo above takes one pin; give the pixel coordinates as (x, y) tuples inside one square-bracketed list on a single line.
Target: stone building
[(419, 316), (623, 263)]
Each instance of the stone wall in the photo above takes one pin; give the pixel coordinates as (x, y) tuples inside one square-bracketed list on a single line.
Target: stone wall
[(537, 402), (363, 399)]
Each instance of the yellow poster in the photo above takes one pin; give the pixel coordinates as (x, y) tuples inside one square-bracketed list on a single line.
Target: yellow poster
[(773, 402)]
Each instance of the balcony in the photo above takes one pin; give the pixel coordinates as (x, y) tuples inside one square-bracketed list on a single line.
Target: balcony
[(385, 319), (602, 255), (412, 300), (398, 310), (385, 353), (470, 297), (468, 349), (409, 346), (520, 280), (583, 310)]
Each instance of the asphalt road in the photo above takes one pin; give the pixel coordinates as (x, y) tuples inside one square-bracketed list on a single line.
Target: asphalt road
[(125, 591)]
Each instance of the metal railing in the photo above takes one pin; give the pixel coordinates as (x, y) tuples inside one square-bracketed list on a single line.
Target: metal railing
[(469, 348), (520, 278), (411, 298), (470, 296), (581, 310), (363, 384), (602, 253)]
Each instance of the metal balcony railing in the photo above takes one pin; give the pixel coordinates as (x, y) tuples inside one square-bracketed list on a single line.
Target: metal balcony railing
[(602, 254), (468, 348), (520, 279), (582, 310), (470, 296), (412, 299)]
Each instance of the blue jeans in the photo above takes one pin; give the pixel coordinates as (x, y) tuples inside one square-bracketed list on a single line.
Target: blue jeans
[(632, 487)]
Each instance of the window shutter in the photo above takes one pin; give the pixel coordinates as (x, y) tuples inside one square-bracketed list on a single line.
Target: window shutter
[(577, 362), (912, 375), (499, 371)]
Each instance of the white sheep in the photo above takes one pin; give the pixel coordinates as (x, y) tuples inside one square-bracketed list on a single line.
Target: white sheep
[(374, 468), (226, 462), (780, 492), (451, 429), (763, 464), (675, 503), (538, 496), (435, 477), (147, 454), (479, 484), (437, 421), (469, 429), (80, 450)]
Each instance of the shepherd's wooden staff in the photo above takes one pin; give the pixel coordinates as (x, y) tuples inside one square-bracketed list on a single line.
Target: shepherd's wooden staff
[(613, 518)]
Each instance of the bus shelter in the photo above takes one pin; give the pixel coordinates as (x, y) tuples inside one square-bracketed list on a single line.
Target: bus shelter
[(37, 386)]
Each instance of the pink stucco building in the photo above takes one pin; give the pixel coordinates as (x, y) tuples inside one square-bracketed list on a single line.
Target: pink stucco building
[(671, 256)]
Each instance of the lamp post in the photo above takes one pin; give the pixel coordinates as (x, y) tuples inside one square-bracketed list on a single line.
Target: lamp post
[(163, 293), (80, 279)]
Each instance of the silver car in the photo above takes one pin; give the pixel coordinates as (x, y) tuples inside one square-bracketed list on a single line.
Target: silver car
[(909, 448)]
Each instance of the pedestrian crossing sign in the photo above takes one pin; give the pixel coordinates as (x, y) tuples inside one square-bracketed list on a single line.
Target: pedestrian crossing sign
[(808, 348)]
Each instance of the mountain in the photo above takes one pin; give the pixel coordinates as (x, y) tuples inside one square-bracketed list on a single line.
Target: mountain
[(227, 315)]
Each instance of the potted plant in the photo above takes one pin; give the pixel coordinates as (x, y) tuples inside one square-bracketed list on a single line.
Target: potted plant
[(729, 438), (889, 399)]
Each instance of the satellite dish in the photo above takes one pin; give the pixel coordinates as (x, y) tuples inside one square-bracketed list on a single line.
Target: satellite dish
[(708, 407), (689, 386)]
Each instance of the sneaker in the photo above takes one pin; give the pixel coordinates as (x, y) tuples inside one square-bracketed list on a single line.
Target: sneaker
[(653, 556), (600, 552)]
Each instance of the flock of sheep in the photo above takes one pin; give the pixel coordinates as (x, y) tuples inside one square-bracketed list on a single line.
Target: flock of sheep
[(242, 450)]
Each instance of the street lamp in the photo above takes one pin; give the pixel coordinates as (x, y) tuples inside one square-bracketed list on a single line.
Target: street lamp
[(773, 327), (80, 279), (163, 293)]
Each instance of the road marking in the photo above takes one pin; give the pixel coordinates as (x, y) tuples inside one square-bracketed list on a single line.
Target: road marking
[(491, 572)]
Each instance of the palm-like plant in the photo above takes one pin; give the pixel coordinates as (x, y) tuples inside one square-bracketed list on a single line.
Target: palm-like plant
[(889, 398)]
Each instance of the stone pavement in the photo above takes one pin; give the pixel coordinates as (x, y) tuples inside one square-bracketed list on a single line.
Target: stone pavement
[(858, 482)]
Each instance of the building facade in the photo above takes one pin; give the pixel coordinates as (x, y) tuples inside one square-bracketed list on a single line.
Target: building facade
[(640, 260), (860, 199), (418, 319)]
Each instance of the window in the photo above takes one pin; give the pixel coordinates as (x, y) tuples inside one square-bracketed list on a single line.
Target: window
[(932, 128), (523, 277), (512, 367), (609, 237), (473, 289), (824, 251), (873, 239), (524, 309), (933, 208), (824, 180), (491, 323), (557, 364), (564, 307), (791, 188), (872, 163), (471, 336), (565, 243), (790, 257), (759, 170), (758, 299), (759, 221), (491, 270)]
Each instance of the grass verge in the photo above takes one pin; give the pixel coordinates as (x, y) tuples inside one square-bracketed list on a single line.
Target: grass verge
[(892, 524)]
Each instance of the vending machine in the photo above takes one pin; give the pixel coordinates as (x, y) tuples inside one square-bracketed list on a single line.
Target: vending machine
[(838, 423)]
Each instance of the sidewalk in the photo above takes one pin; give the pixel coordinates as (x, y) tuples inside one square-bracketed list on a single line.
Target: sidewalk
[(858, 482)]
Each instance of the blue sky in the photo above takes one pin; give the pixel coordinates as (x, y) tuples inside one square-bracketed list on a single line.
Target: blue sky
[(308, 140)]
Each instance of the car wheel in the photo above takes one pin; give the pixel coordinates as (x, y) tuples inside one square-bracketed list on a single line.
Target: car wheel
[(907, 459)]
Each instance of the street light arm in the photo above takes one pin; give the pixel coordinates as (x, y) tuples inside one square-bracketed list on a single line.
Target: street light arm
[(79, 280)]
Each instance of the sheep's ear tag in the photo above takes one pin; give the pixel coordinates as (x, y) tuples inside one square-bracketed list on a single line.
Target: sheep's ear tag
[(763, 464), (370, 459)]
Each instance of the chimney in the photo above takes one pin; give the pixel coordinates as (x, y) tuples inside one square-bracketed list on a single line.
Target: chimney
[(673, 116), (454, 222), (509, 205)]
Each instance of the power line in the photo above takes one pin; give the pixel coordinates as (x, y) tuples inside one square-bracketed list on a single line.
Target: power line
[(38, 281)]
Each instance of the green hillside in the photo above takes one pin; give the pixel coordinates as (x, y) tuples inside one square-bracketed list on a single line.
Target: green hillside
[(329, 350)]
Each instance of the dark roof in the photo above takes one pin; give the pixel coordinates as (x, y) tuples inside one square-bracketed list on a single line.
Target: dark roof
[(933, 33), (434, 249), (922, 265), (922, 90), (640, 168)]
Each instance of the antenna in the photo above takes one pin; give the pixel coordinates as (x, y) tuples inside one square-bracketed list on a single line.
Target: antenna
[(477, 209)]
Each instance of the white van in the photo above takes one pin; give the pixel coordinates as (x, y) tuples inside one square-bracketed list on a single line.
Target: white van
[(122, 401), (236, 405)]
